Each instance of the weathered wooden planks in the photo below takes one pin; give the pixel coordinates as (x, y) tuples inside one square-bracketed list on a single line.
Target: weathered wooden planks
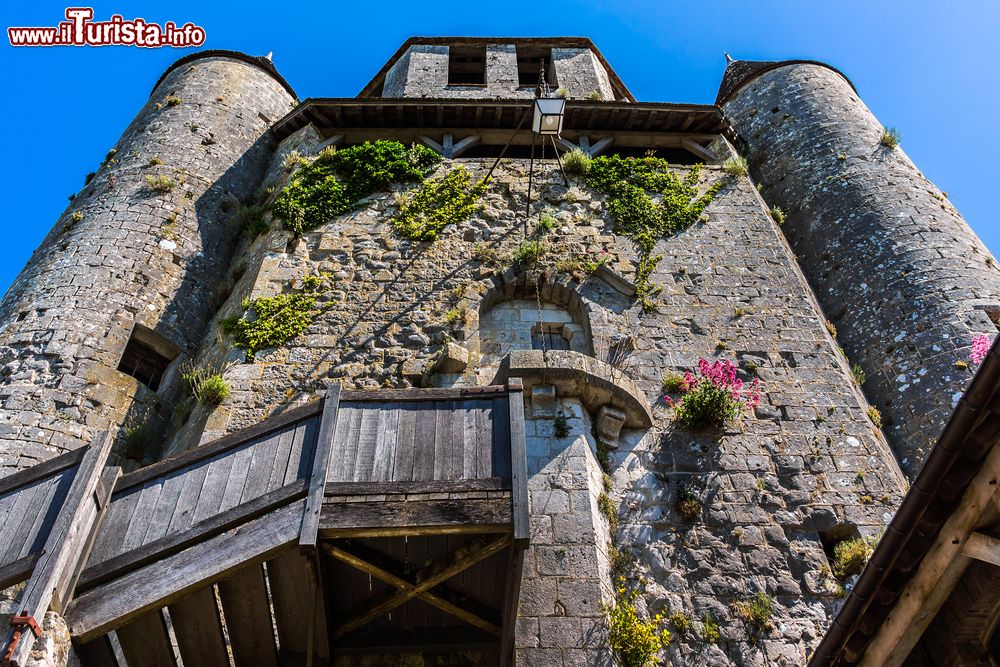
[(420, 435), (298, 606), (145, 641), (64, 546), (168, 545), (146, 509), (160, 583), (198, 629), (248, 617)]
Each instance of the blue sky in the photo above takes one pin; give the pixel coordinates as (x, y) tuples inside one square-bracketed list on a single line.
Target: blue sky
[(924, 67)]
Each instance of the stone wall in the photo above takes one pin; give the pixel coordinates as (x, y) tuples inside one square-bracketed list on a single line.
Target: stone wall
[(123, 254), (807, 463), (422, 71), (567, 579), (897, 270)]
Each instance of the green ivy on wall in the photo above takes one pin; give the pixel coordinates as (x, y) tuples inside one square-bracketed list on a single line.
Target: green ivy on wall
[(437, 203), (337, 180), (276, 319), (630, 184)]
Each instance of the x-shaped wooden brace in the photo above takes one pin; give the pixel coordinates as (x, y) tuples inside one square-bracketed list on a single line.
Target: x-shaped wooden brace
[(426, 578)]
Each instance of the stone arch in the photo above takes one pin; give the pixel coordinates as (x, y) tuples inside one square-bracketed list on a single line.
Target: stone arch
[(585, 308)]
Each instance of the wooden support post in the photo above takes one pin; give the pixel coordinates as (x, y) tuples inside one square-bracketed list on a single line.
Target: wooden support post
[(599, 147), (332, 140), (57, 565), (464, 145), (321, 464), (522, 529), (518, 463), (431, 143)]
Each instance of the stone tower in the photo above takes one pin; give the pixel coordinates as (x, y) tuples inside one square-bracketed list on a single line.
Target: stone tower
[(897, 270), (563, 289), (121, 290)]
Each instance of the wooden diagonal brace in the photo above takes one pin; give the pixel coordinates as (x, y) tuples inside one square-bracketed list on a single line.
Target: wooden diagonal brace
[(427, 578), (379, 566)]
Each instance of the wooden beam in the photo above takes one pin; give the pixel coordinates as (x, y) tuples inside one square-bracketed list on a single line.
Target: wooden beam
[(18, 571), (699, 150), (500, 136), (332, 140), (449, 394), (202, 452), (518, 463), (512, 595), (937, 574), (109, 606), (416, 517), (40, 470), (599, 147), (399, 488), (102, 497), (464, 145), (61, 553), (982, 547), (321, 464), (168, 545), (430, 143), (371, 563), (427, 578)]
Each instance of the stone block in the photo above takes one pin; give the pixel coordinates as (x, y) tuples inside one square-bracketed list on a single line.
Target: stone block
[(609, 424), (453, 359), (543, 402)]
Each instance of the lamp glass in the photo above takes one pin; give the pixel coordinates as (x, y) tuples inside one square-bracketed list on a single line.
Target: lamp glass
[(548, 116)]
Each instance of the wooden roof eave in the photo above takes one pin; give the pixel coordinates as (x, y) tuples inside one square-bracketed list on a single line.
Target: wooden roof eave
[(593, 116)]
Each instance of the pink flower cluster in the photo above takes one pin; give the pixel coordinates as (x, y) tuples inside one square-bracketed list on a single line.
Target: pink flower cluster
[(722, 375), (980, 348)]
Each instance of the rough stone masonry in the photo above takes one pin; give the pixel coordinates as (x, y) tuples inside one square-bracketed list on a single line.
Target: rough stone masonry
[(875, 249)]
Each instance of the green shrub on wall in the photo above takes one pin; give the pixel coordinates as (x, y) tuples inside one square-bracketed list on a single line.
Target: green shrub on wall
[(630, 183), (337, 180), (437, 203), (276, 319)]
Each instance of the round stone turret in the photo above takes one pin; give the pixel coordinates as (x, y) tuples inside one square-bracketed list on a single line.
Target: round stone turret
[(900, 274), (95, 327)]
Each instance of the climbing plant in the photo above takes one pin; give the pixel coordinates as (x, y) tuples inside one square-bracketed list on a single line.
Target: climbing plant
[(276, 319), (635, 641), (437, 203), (337, 180), (648, 201)]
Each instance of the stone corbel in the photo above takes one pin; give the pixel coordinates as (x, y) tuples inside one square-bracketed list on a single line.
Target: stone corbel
[(603, 390)]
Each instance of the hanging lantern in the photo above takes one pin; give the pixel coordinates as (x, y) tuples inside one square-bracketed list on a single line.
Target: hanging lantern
[(548, 117)]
